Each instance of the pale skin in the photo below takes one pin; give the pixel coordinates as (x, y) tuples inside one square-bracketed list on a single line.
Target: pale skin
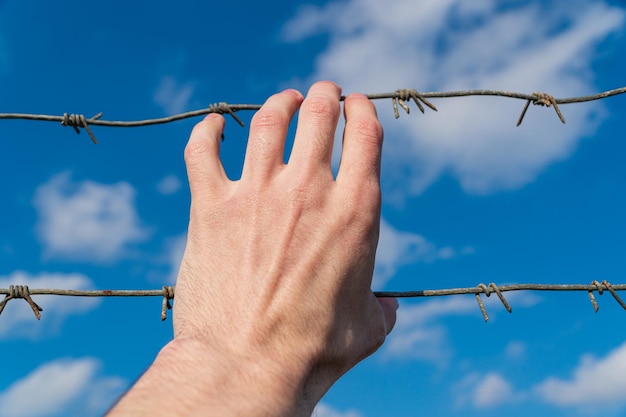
[(273, 300)]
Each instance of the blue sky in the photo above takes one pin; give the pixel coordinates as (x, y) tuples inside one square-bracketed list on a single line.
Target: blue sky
[(468, 197)]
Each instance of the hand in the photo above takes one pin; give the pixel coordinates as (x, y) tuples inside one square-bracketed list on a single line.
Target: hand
[(273, 301)]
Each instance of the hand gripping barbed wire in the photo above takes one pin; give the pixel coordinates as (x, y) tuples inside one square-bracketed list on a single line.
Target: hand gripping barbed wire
[(400, 97), (167, 292)]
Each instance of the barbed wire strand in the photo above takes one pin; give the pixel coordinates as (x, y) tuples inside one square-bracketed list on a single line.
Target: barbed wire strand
[(399, 97), (167, 292)]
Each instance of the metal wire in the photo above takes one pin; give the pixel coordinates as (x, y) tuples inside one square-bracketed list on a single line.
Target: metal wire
[(399, 97), (167, 292)]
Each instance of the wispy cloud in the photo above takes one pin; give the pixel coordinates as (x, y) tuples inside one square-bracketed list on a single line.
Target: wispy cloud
[(86, 221), (485, 391), (419, 332), (174, 255), (18, 319), (169, 184), (597, 381), (325, 410), (61, 387), (515, 350), (165, 265), (172, 95), (397, 249), (530, 46)]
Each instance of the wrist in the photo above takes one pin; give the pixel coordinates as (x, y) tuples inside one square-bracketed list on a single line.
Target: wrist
[(186, 378)]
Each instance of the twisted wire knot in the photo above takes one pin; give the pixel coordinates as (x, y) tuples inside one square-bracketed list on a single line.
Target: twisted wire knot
[(608, 286), (488, 290), (223, 108), (597, 286), (79, 120), (168, 294), (404, 95), (21, 291), (541, 99), (600, 287)]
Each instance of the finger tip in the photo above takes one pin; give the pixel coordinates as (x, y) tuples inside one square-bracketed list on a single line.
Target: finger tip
[(356, 96), (294, 93), (324, 85), (211, 127), (213, 117)]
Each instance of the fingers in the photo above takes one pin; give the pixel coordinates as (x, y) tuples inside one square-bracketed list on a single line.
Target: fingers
[(268, 131), (317, 121), (362, 142), (389, 306), (204, 167)]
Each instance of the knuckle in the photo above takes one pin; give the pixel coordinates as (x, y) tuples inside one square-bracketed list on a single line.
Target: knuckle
[(196, 150), (202, 142), (321, 107), (362, 214), (367, 129), (268, 119), (298, 195), (363, 194)]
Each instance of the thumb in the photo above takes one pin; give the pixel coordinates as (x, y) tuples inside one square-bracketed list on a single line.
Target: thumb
[(389, 306)]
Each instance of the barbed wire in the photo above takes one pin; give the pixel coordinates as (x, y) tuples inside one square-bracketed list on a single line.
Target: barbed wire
[(167, 292), (400, 97)]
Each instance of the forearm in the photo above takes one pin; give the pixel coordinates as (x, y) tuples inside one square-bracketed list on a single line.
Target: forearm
[(184, 381)]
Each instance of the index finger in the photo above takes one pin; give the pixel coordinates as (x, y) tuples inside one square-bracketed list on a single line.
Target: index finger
[(202, 156), (362, 142)]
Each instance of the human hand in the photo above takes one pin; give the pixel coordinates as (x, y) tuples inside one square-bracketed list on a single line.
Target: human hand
[(273, 300)]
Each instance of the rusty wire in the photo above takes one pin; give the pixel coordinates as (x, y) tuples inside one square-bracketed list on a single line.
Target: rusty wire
[(398, 97), (167, 292)]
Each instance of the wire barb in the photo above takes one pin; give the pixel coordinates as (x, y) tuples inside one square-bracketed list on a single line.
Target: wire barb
[(488, 290), (482, 306), (21, 291), (495, 289), (168, 294), (595, 285), (223, 107), (79, 120), (404, 95), (541, 99), (608, 286)]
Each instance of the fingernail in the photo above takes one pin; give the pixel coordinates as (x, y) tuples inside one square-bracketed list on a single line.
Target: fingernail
[(294, 93), (212, 116)]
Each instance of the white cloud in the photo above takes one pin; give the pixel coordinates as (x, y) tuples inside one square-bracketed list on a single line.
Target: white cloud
[(492, 390), (176, 249), (485, 391), (598, 381), (324, 410), (419, 333), (166, 264), (515, 350), (397, 249), (379, 46), (172, 96), (86, 221), (169, 185), (18, 319), (59, 386)]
